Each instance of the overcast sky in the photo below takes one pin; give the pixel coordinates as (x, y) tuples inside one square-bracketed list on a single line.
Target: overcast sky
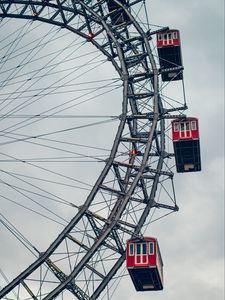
[(192, 240)]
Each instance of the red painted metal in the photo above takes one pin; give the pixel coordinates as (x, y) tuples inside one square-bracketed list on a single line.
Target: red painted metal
[(168, 38), (185, 129)]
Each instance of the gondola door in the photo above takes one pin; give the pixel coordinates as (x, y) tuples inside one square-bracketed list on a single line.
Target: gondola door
[(141, 254), (185, 130), (167, 39)]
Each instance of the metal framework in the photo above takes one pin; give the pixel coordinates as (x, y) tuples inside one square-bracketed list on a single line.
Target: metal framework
[(95, 238)]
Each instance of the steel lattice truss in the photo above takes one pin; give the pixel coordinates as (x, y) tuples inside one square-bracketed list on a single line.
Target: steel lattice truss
[(87, 254)]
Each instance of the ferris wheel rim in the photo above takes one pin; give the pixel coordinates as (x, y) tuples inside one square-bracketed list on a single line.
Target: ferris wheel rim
[(83, 210)]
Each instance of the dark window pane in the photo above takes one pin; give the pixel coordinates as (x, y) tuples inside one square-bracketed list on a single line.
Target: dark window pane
[(138, 249), (131, 250), (193, 125), (144, 248), (151, 248), (182, 126), (176, 126)]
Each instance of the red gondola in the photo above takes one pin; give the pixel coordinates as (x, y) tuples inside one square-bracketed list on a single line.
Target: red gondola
[(186, 142), (117, 14), (169, 52), (144, 264)]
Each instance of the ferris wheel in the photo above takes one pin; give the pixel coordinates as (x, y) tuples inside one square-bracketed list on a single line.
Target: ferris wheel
[(87, 158)]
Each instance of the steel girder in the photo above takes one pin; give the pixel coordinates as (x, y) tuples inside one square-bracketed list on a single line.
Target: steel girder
[(128, 184)]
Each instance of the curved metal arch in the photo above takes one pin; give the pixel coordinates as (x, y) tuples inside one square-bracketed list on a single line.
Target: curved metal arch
[(62, 22), (154, 119)]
